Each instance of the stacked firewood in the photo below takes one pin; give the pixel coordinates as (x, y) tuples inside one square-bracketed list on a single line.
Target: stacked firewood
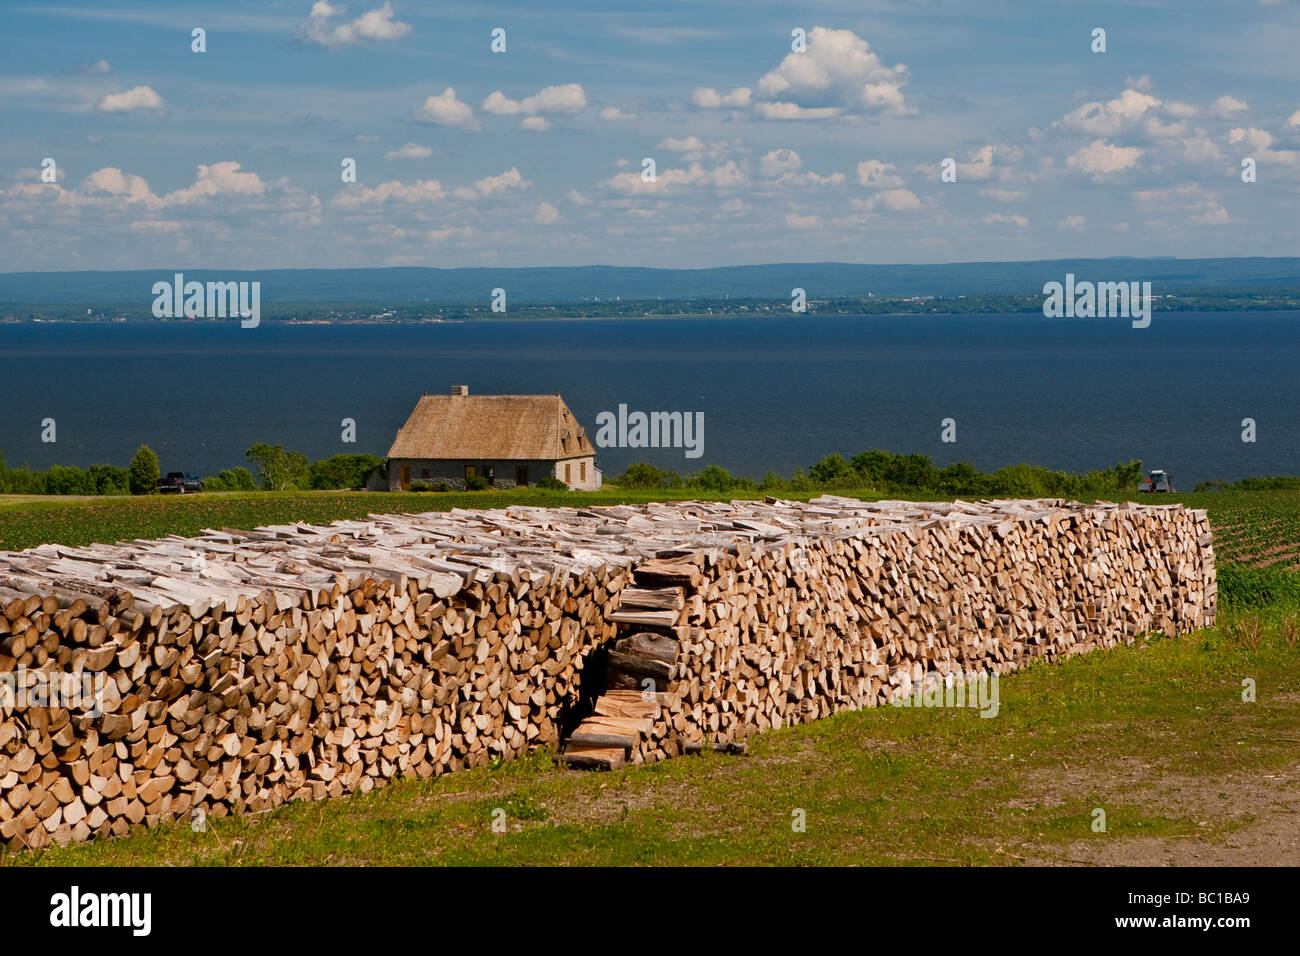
[(240, 670), (775, 634)]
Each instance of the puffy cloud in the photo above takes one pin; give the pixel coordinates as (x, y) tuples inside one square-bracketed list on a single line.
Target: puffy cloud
[(1073, 223), (136, 98), (793, 111), (321, 26), (536, 124), (795, 221), (420, 191), (577, 198), (219, 179), (491, 185), (568, 98), (614, 114), (409, 151), (1260, 143), (838, 69), (726, 176), (546, 214), (1098, 159), (783, 165), (779, 162), (710, 99), (1294, 120), (1228, 107), (1002, 218), (114, 182), (894, 200), (877, 175), (1109, 118), (445, 110)]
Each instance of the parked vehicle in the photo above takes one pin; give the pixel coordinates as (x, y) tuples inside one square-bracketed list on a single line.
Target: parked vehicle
[(179, 482), (1156, 482)]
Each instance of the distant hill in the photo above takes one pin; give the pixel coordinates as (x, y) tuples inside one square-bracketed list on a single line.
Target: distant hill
[(564, 284)]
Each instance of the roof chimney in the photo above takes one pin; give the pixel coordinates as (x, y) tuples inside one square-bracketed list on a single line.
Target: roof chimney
[(460, 390)]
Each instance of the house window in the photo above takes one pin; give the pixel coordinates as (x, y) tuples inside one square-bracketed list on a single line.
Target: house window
[(470, 471), (582, 471), (521, 474), (566, 472), (487, 473), (424, 472), (406, 476)]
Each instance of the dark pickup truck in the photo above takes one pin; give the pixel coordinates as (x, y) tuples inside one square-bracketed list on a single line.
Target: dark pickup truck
[(179, 482)]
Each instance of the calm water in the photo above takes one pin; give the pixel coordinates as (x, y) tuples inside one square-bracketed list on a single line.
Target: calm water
[(776, 393)]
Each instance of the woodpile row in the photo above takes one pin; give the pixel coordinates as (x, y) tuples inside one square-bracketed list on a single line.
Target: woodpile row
[(239, 670), (769, 635)]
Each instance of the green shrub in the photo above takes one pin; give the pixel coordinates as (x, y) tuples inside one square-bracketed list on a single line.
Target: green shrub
[(343, 471), (231, 479), (642, 474), (279, 470), (551, 483), (144, 473), (475, 483), (833, 471)]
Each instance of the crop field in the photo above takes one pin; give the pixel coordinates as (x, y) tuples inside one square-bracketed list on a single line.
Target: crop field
[(1258, 528)]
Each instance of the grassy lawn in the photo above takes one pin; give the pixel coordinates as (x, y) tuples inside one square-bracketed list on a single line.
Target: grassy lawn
[(1157, 735)]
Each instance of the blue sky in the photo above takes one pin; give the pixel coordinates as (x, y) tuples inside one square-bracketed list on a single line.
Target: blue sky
[(231, 158)]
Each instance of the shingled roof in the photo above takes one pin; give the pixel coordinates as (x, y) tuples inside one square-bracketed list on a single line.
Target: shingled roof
[(491, 427)]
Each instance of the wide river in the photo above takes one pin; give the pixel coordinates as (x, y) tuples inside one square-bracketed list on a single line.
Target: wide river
[(778, 393)]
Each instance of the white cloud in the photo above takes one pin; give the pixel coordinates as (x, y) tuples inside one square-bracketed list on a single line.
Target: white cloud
[(420, 191), (614, 114), (577, 198), (491, 185), (1201, 205), (710, 99), (793, 111), (536, 124), (1227, 107), (546, 214), (568, 98), (1107, 119), (783, 166), (157, 226), (894, 200), (136, 98), (726, 176), (779, 162), (1098, 159), (1294, 120), (877, 175), (838, 69), (445, 110), (1010, 220), (1260, 143), (409, 151), (1074, 223), (218, 179), (98, 67), (321, 26), (795, 221)]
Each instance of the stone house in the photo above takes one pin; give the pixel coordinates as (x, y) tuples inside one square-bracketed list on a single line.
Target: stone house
[(507, 440)]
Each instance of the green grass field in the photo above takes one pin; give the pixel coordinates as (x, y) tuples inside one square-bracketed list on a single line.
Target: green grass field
[(1157, 735)]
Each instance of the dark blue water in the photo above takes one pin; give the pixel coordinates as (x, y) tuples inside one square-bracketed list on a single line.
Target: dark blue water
[(777, 393)]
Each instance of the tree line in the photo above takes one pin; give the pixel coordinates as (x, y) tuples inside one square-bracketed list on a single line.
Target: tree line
[(270, 468)]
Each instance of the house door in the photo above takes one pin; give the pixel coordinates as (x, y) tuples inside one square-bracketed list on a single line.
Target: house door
[(406, 478), (521, 475)]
